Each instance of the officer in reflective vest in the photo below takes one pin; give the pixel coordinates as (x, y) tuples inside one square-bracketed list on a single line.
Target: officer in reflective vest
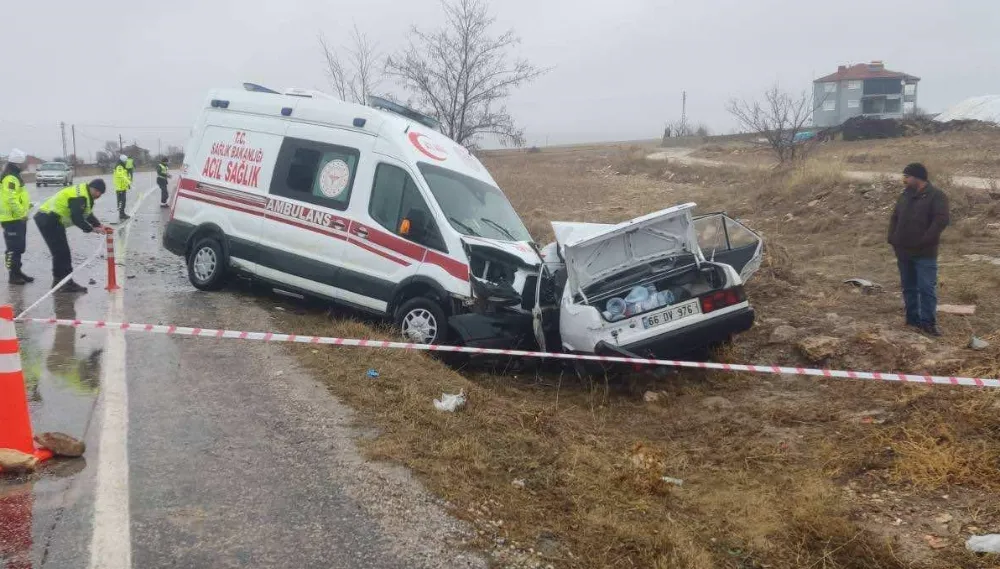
[(123, 181), (130, 167), (161, 180), (14, 206), (70, 206)]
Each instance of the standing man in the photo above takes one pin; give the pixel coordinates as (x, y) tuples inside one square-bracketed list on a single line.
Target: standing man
[(70, 206), (130, 167), (921, 214), (161, 180), (14, 206), (123, 181)]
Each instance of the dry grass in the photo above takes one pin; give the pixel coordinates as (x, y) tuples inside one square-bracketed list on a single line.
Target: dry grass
[(778, 472)]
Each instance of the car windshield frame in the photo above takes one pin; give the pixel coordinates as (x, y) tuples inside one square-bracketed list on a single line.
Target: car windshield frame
[(493, 217), (53, 166)]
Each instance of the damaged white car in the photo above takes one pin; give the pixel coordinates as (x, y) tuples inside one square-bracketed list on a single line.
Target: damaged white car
[(664, 284)]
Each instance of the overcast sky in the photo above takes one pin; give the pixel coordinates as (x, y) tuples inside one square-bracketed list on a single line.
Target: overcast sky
[(617, 67)]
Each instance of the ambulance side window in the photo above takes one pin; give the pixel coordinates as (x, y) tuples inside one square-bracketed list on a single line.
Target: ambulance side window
[(316, 173), (395, 198)]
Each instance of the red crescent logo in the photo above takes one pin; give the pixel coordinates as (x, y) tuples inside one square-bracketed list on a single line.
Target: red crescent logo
[(427, 146)]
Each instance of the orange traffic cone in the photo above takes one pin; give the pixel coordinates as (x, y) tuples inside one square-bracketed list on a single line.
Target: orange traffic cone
[(15, 422)]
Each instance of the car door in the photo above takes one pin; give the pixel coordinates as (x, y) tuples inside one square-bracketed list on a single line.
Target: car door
[(724, 240), (304, 232), (384, 250)]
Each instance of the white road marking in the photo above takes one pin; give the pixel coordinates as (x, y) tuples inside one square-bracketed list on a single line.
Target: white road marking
[(111, 543)]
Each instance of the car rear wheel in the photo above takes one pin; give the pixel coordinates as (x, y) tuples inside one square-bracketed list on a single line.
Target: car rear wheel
[(207, 264), (421, 320)]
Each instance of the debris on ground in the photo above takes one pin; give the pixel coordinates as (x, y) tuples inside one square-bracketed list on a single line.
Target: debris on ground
[(866, 286), (674, 481), (984, 543), (716, 402), (653, 396), (819, 348), (944, 518), (61, 444), (960, 309), (982, 258), (15, 461), (373, 373), (92, 282), (935, 542), (518, 483), (978, 343), (450, 402), (783, 334)]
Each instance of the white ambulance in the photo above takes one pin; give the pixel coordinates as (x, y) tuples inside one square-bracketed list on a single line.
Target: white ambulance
[(368, 206)]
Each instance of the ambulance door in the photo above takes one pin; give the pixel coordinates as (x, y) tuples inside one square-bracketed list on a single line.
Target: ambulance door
[(304, 233), (234, 164)]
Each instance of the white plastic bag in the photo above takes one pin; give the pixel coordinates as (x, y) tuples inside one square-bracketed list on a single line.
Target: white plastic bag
[(984, 543), (450, 402)]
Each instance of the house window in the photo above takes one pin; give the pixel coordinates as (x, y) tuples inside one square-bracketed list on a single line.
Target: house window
[(830, 87), (893, 105), (829, 105), (853, 104), (316, 173), (854, 85), (910, 89)]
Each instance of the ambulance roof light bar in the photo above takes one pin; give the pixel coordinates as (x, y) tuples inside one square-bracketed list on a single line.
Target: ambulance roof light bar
[(396, 108)]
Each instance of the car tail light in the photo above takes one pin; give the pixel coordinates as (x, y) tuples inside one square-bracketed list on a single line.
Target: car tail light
[(722, 299)]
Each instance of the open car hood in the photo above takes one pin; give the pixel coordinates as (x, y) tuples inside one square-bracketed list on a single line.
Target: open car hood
[(593, 251)]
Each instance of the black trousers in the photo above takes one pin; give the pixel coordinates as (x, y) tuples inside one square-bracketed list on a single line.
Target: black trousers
[(164, 195), (54, 235), (121, 202), (15, 234)]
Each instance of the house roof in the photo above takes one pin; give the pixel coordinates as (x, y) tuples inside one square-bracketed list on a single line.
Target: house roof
[(32, 159), (873, 70)]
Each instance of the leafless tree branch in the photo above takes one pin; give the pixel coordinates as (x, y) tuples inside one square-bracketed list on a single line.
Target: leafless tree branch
[(356, 78), (461, 75), (779, 119)]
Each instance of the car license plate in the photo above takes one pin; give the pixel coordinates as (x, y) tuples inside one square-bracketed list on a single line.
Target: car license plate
[(672, 314)]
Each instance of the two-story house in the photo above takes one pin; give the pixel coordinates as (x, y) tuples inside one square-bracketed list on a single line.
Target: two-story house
[(864, 89)]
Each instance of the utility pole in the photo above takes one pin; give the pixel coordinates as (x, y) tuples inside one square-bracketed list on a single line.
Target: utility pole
[(159, 150), (684, 106), (76, 157), (62, 128), (121, 145)]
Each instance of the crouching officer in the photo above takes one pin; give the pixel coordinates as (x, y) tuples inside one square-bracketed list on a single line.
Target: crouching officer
[(70, 206), (14, 206), (162, 174)]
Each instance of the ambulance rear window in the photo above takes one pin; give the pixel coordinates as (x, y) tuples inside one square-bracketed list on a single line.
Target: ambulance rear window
[(316, 173)]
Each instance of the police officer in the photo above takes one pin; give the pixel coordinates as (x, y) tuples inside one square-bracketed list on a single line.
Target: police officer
[(130, 167), (70, 206), (123, 181), (14, 206), (161, 180)]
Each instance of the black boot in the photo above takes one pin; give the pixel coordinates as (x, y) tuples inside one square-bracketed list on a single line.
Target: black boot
[(16, 278), (25, 277), (122, 216), (71, 287)]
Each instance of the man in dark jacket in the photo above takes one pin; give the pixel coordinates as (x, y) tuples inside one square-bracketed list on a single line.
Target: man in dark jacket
[(921, 214)]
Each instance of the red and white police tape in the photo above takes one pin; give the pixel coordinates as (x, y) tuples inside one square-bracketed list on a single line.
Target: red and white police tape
[(350, 342)]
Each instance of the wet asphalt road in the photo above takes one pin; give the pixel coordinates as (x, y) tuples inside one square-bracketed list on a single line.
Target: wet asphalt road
[(236, 458)]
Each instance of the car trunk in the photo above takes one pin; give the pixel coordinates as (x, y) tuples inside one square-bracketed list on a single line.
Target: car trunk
[(651, 288)]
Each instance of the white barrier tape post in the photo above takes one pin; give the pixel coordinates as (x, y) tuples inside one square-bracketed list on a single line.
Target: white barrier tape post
[(350, 342), (65, 280)]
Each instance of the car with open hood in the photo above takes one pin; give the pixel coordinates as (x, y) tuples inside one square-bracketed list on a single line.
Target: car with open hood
[(660, 285)]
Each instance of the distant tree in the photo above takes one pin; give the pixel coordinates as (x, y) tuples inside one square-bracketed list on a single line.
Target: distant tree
[(359, 72), (140, 155), (460, 74), (778, 119), (175, 155)]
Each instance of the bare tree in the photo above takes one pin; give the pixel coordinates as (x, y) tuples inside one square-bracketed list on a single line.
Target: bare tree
[(361, 71), (460, 74), (779, 119)]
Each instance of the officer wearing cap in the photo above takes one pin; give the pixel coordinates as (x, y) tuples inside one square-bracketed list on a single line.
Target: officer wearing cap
[(70, 206), (14, 206), (123, 181)]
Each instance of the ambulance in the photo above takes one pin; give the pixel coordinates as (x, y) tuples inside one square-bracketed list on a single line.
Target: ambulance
[(366, 206)]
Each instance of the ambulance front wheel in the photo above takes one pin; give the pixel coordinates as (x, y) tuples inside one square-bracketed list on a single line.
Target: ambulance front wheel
[(421, 320), (207, 264)]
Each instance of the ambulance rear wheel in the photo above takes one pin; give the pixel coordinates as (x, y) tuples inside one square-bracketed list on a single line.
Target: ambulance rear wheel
[(207, 264), (421, 320)]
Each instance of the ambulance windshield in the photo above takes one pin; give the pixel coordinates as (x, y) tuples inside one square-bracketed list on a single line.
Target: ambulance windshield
[(474, 207)]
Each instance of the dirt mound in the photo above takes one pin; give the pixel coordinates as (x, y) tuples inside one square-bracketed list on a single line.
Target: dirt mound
[(867, 128)]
